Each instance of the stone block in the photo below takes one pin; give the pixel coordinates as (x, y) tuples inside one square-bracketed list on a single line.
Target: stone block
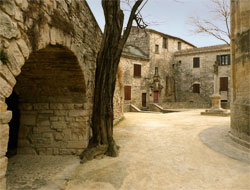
[(8, 28), (28, 119), (4, 70), (23, 143), (41, 106), (26, 150), (3, 107), (77, 144), (58, 125), (16, 59), (76, 113), (4, 138), (24, 131), (68, 106), (26, 107), (60, 112), (24, 48), (3, 183), (56, 106), (6, 88), (5, 117)]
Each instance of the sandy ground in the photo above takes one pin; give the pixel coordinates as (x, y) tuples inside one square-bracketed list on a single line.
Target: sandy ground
[(163, 152), (158, 152)]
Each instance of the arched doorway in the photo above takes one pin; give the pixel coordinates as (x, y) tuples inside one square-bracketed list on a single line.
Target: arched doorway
[(49, 103)]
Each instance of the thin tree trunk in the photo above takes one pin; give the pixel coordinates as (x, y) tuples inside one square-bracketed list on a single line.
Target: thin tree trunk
[(105, 78)]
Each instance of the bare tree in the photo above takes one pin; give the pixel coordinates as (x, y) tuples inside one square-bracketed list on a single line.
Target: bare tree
[(220, 10), (108, 58)]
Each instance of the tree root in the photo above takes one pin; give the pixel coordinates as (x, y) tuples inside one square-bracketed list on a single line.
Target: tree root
[(93, 152)]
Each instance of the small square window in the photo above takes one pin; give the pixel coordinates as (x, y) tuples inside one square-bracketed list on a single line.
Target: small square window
[(196, 88), (179, 45), (156, 48)]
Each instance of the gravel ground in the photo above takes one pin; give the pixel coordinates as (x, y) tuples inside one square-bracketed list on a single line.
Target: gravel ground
[(158, 152), (27, 172), (163, 152)]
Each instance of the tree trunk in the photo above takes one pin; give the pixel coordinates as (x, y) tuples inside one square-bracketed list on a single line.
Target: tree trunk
[(105, 77)]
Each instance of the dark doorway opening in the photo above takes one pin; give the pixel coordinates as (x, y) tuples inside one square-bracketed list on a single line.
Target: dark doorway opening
[(14, 124)]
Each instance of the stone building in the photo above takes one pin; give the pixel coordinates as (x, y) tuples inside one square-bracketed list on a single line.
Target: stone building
[(48, 51), (194, 76), (240, 50), (147, 66)]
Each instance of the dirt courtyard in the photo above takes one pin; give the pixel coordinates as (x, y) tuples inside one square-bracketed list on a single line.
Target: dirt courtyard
[(159, 152)]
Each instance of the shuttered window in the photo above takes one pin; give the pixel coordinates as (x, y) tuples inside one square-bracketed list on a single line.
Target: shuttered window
[(196, 88), (223, 83), (223, 60), (196, 62), (179, 45), (137, 70), (165, 43), (127, 92)]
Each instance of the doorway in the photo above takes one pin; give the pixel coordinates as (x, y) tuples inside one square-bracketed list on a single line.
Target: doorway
[(144, 100), (156, 96)]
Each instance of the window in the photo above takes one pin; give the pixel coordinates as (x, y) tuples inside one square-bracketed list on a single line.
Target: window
[(196, 88), (223, 60), (179, 45), (156, 48), (165, 43), (223, 83), (137, 70), (196, 62), (127, 92)]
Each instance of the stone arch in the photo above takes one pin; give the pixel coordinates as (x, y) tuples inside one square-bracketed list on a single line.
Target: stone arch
[(30, 27), (52, 95)]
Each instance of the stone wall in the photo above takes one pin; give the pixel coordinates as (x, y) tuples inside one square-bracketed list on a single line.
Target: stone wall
[(55, 115), (186, 75), (240, 50)]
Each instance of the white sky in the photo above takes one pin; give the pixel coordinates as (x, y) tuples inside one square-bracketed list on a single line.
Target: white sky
[(171, 17)]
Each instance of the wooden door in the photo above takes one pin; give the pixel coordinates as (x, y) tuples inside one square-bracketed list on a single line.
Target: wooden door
[(156, 94), (144, 99)]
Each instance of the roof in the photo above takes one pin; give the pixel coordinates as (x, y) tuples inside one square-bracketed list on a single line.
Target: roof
[(207, 49), (134, 52), (162, 34)]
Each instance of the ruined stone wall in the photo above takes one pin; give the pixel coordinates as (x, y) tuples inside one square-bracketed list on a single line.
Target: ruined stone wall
[(240, 50), (55, 116), (186, 75)]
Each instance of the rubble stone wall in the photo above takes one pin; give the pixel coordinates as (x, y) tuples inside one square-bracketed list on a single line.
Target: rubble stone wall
[(63, 105)]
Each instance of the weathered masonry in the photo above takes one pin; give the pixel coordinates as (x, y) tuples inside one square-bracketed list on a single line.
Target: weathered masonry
[(240, 50), (194, 76), (47, 65)]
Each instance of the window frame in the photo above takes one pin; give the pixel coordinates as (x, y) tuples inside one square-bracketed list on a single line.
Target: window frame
[(165, 42), (196, 64), (137, 71), (194, 89), (157, 49), (179, 45)]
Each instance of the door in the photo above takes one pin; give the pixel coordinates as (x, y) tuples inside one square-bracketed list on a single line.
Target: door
[(144, 99), (156, 93)]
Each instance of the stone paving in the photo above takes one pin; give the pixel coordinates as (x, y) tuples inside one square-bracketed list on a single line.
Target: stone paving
[(158, 152)]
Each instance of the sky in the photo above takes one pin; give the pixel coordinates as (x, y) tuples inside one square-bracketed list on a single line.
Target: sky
[(169, 17)]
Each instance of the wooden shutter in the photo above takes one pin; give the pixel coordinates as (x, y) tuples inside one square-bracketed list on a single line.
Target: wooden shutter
[(196, 88), (223, 83), (196, 62), (127, 92), (137, 70)]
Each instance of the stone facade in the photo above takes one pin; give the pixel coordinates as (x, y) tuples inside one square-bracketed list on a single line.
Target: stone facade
[(156, 58), (240, 50), (48, 51), (187, 75)]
